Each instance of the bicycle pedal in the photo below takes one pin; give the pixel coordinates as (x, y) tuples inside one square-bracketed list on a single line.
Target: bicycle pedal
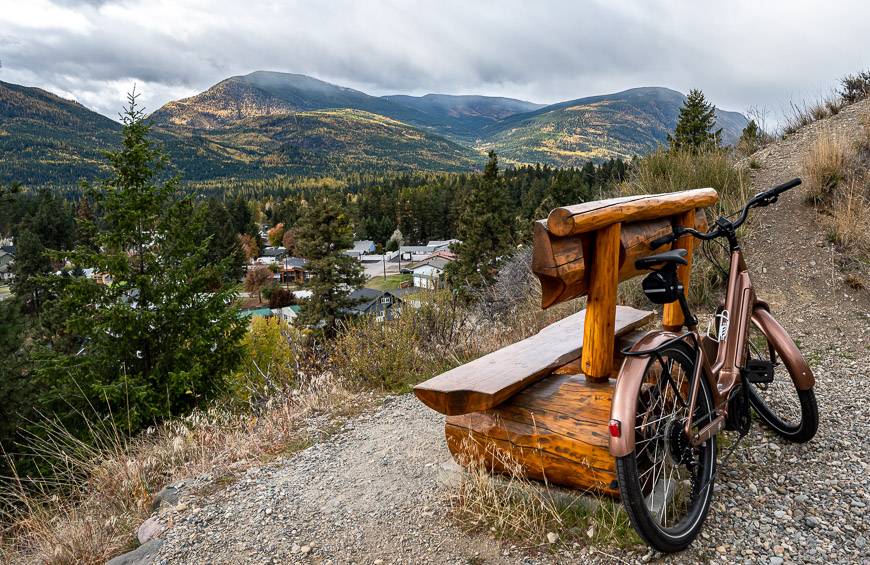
[(757, 371)]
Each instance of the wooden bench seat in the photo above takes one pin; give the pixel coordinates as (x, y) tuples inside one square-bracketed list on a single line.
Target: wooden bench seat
[(492, 379)]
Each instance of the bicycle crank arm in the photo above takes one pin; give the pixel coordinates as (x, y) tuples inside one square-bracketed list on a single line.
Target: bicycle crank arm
[(708, 431)]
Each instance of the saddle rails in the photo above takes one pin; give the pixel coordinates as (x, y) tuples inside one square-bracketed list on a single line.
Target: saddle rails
[(544, 403)]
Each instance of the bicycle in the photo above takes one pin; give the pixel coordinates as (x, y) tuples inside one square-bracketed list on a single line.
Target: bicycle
[(677, 391)]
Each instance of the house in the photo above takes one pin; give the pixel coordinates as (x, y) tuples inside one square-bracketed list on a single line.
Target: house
[(409, 253), (277, 252), (7, 256), (288, 313), (361, 248), (292, 270), (429, 272), (383, 304)]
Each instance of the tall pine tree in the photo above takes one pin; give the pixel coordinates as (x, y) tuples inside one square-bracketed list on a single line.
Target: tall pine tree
[(323, 234), (160, 334), (486, 231), (695, 125)]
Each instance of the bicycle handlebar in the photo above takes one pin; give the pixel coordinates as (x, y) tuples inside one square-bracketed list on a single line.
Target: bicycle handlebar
[(723, 225)]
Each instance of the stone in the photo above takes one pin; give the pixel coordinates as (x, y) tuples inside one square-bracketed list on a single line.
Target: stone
[(149, 529), (167, 496), (552, 537), (142, 555), (775, 560)]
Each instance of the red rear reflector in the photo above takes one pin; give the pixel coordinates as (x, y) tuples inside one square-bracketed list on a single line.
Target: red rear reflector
[(615, 427)]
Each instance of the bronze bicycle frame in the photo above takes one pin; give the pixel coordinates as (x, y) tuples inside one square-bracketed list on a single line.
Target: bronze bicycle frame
[(720, 363)]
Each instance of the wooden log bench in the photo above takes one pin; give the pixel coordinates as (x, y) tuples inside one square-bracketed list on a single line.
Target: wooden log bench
[(544, 403)]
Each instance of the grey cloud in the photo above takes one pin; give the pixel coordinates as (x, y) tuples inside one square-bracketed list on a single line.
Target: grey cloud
[(743, 55)]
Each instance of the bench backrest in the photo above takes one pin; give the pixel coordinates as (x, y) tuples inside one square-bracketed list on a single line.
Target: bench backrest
[(587, 249)]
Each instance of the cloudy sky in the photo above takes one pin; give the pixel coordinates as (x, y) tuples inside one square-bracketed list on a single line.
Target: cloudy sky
[(742, 54)]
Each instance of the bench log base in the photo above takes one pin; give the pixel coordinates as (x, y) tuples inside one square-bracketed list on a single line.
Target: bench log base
[(555, 431)]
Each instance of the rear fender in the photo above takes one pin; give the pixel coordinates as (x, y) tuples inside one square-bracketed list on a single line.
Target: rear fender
[(791, 356), (624, 405)]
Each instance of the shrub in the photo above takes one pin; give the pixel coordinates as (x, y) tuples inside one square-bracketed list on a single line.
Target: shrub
[(826, 167), (279, 297), (854, 88), (274, 352), (394, 355)]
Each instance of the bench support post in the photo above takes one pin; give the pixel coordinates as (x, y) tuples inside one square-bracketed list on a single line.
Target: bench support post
[(598, 331), (672, 314)]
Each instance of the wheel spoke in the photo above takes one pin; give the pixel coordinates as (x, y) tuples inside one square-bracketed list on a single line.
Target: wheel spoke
[(665, 472)]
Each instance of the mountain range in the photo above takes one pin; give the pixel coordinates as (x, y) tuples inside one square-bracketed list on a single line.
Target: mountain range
[(268, 123)]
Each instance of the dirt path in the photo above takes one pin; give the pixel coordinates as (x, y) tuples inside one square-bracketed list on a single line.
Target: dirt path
[(371, 494)]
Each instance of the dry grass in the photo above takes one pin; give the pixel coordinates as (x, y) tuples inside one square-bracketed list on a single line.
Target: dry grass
[(511, 506), (826, 167), (837, 175), (849, 220), (801, 115), (100, 491), (441, 331), (668, 171)]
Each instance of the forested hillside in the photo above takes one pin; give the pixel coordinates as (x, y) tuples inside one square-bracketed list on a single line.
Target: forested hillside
[(269, 124), (624, 124)]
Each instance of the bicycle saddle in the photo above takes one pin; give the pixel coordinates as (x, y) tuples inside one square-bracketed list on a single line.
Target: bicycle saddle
[(677, 256)]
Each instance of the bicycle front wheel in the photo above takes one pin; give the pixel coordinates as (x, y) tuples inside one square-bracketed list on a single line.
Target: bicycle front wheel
[(666, 484), (791, 413)]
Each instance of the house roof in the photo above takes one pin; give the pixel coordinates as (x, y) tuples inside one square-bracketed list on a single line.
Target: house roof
[(265, 312), (436, 243), (414, 249), (436, 261), (274, 251), (295, 262), (369, 300), (362, 245)]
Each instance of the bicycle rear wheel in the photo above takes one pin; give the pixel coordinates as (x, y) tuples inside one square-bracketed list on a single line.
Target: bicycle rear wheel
[(666, 485)]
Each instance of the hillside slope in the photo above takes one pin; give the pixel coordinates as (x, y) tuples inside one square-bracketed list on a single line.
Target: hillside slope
[(267, 123), (624, 124), (45, 139), (376, 491), (312, 143), (266, 93)]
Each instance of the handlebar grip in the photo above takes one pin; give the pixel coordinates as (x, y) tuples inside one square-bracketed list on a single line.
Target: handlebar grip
[(783, 187)]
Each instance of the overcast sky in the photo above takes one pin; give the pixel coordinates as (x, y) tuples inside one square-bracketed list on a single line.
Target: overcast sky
[(742, 54)]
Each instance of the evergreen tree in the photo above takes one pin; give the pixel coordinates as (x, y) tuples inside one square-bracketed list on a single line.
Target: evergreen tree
[(31, 262), (159, 337), (485, 228), (324, 232), (695, 125), (750, 138), (222, 245)]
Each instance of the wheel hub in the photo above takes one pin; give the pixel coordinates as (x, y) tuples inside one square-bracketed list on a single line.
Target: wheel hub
[(679, 448)]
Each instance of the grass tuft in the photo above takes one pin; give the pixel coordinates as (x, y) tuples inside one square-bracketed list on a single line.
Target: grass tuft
[(510, 506)]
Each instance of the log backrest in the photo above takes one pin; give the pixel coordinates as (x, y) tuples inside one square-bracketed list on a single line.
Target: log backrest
[(587, 249)]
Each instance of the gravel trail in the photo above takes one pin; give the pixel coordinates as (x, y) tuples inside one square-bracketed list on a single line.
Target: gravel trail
[(371, 494)]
